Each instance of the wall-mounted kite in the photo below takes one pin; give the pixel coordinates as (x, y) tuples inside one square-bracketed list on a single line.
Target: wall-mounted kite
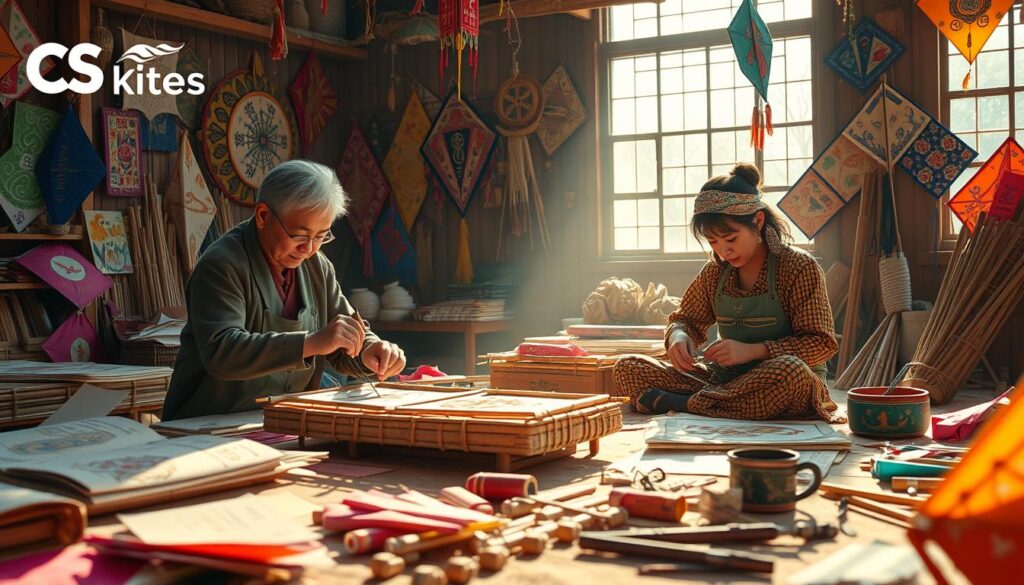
[(997, 187), (753, 45), (862, 61), (967, 24)]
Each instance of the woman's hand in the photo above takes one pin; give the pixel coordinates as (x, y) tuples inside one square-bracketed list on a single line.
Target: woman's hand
[(342, 332), (384, 359), (681, 352), (728, 352)]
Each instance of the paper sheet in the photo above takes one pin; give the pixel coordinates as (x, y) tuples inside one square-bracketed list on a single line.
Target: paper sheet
[(88, 402), (41, 444)]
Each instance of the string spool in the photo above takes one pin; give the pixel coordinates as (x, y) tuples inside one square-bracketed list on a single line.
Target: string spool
[(501, 486), (652, 505), (894, 275), (367, 540), (463, 498)]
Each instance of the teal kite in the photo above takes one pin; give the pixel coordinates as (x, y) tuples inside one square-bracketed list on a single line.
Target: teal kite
[(753, 45)]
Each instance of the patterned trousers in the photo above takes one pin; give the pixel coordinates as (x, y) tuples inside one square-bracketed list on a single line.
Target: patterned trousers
[(777, 388)]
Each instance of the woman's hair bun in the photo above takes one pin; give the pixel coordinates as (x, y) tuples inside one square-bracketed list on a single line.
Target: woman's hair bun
[(748, 172)]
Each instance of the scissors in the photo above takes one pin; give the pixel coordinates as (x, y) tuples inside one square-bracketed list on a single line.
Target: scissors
[(363, 377)]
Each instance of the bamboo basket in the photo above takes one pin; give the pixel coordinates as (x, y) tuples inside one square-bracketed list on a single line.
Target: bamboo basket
[(505, 437), (585, 374), (24, 403), (148, 353)]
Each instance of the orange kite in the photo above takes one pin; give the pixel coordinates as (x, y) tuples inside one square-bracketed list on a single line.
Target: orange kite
[(967, 24)]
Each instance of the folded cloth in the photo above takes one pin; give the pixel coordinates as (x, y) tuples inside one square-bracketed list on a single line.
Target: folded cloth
[(958, 425), (421, 373)]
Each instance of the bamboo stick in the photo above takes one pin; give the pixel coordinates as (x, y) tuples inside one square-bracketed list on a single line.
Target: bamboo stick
[(868, 202)]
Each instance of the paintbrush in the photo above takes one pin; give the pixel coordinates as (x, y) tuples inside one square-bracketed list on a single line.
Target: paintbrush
[(358, 368)]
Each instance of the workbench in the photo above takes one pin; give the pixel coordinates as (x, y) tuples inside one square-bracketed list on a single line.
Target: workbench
[(468, 329)]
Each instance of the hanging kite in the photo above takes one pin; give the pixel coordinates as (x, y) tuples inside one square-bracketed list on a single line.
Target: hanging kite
[(14, 84), (393, 254), (75, 341), (967, 24), (20, 195), (997, 187), (366, 184), (459, 24), (160, 56), (404, 164), (458, 149), (68, 169), (67, 271), (863, 60), (313, 98), (753, 45)]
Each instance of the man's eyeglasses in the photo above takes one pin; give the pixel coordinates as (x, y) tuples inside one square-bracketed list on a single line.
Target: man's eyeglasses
[(302, 240)]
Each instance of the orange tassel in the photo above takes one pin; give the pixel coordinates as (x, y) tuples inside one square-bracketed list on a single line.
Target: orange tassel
[(754, 118), (760, 131), (967, 81), (768, 119), (278, 35)]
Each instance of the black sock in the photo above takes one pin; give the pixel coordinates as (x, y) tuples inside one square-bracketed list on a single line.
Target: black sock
[(658, 401)]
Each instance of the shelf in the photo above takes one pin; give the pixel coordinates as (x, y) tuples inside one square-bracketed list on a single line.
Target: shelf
[(23, 286), (12, 236), (166, 11)]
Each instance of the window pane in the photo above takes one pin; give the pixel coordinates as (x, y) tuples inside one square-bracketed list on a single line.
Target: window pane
[(625, 239), (623, 117), (635, 167), (624, 213), (962, 115), (993, 113), (647, 212), (993, 69), (647, 238), (674, 210)]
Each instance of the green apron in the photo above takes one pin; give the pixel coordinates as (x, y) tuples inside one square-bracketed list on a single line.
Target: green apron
[(288, 381), (752, 319)]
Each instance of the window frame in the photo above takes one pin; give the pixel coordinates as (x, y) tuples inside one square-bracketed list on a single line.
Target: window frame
[(610, 50)]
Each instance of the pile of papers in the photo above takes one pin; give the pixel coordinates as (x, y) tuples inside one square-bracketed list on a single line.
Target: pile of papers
[(466, 310)]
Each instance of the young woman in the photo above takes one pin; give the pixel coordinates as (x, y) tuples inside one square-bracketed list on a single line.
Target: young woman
[(774, 322)]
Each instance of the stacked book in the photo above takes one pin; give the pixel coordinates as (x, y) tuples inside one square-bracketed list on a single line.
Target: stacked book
[(483, 290), (467, 310), (24, 326), (12, 272)]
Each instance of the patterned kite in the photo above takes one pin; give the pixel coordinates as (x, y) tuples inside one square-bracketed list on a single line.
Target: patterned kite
[(996, 188), (753, 45), (313, 98), (967, 24)]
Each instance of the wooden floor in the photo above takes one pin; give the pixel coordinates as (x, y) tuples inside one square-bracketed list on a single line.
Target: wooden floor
[(430, 471)]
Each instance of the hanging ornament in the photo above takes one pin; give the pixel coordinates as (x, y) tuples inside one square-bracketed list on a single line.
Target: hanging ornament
[(278, 34), (459, 24), (752, 43), (890, 18), (102, 38), (968, 25)]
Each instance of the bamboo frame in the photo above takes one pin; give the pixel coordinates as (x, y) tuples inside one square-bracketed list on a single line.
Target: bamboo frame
[(866, 220)]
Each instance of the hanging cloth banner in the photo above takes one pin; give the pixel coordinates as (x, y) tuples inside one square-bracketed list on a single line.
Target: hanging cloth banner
[(459, 26)]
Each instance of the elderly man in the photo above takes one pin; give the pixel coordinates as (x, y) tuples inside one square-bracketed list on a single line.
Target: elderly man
[(265, 311)]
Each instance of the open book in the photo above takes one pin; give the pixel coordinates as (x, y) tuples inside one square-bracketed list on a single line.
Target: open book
[(33, 518), (114, 463)]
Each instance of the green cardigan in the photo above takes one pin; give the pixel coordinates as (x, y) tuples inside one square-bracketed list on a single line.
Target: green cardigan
[(236, 347)]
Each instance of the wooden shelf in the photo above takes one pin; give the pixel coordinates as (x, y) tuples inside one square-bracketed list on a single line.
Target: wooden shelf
[(165, 11), (51, 237), (23, 286)]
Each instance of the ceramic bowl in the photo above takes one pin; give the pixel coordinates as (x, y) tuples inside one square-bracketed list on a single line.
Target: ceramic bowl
[(906, 412)]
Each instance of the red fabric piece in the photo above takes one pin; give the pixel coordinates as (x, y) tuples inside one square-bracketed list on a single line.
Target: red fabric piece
[(421, 373), (279, 36), (376, 501), (549, 349), (69, 566), (958, 426)]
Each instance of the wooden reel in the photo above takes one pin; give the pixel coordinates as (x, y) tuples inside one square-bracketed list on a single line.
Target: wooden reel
[(519, 104)]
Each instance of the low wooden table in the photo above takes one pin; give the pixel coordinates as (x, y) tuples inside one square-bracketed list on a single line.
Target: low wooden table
[(469, 330)]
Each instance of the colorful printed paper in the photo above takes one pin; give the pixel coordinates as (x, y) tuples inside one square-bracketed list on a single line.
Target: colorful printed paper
[(903, 119), (563, 111), (160, 133), (67, 271), (960, 424), (68, 169), (313, 98), (843, 166), (862, 63), (156, 55), (9, 55), (937, 158), (404, 166), (978, 194), (20, 195), (365, 183), (811, 203), (191, 203), (122, 149), (109, 241), (393, 254), (14, 84), (75, 341), (967, 24), (458, 148), (752, 43), (974, 515)]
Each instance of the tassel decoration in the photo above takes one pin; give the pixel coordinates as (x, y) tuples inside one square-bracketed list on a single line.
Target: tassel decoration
[(323, 7), (967, 80), (463, 263), (754, 117), (768, 119), (278, 35)]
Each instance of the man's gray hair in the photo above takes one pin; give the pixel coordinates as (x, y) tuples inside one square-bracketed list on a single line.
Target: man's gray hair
[(302, 186)]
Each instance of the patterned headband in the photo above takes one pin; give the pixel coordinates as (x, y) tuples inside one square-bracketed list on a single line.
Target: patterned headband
[(728, 202)]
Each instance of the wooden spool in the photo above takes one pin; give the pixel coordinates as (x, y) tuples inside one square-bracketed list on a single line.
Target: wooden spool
[(535, 542), (461, 570), (567, 530), (519, 103), (493, 558), (501, 486), (429, 575), (386, 565)]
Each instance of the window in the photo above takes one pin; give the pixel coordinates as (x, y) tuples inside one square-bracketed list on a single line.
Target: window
[(680, 112), (993, 107)]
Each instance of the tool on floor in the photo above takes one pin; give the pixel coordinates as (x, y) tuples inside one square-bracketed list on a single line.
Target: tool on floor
[(720, 558)]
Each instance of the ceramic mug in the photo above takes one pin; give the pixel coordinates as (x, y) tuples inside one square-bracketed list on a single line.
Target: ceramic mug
[(768, 478)]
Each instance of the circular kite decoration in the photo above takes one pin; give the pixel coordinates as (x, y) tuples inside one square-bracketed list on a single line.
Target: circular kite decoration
[(520, 102), (247, 130)]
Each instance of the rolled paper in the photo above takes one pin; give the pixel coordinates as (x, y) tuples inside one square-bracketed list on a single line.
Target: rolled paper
[(368, 540), (343, 522), (652, 505), (501, 486), (463, 498)]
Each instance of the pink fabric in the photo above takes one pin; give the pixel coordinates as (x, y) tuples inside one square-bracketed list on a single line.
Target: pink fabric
[(75, 341), (550, 349), (421, 373), (76, 565), (66, 270), (958, 426), (342, 520)]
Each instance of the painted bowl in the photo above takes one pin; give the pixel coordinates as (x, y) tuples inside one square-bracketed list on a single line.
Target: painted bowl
[(906, 412)]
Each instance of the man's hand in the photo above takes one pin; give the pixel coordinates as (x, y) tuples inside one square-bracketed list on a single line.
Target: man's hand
[(728, 352), (681, 351), (341, 332), (384, 359)]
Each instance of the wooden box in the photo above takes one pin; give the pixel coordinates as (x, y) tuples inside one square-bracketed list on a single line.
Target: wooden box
[(584, 375)]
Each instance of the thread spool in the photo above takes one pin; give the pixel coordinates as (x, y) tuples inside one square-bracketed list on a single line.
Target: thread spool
[(386, 565), (367, 540), (894, 276), (460, 570), (429, 575), (463, 498), (493, 558), (534, 542), (652, 505), (501, 486)]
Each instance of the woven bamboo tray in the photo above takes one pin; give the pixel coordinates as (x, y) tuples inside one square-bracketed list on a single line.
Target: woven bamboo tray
[(24, 403), (148, 353), (515, 441), (584, 374)]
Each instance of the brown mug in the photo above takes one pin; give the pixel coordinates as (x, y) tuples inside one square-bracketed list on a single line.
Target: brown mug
[(768, 478)]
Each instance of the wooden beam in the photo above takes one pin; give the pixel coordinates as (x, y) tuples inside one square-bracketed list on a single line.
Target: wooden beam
[(165, 11), (528, 8)]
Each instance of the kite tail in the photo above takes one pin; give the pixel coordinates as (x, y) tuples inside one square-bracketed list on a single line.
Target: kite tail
[(768, 119), (754, 118), (464, 263)]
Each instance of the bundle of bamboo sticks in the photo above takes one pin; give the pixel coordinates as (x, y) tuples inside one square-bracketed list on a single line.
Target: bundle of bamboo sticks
[(866, 220), (981, 287), (157, 282)]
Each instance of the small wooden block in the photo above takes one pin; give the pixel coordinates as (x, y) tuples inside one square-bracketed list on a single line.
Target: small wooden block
[(461, 570), (535, 542), (385, 565), (567, 531), (429, 575), (493, 558)]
